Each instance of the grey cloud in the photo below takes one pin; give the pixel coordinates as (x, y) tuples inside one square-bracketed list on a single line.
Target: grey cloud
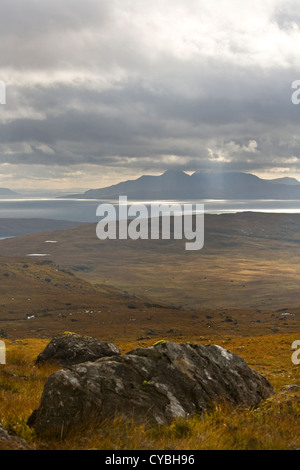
[(112, 102), (28, 18), (287, 14)]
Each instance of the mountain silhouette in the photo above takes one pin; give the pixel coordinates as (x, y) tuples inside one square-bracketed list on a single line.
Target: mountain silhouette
[(5, 192), (176, 184)]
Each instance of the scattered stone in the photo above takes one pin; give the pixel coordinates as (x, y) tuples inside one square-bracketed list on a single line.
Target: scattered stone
[(9, 442), (228, 319), (151, 332), (69, 348), (291, 388), (150, 385)]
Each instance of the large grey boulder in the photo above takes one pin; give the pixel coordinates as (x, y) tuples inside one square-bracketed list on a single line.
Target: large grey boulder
[(150, 385), (69, 348)]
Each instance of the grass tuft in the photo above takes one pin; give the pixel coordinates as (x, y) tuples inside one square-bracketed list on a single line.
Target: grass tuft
[(273, 425)]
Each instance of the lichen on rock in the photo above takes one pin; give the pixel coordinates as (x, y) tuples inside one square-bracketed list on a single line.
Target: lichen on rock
[(151, 385)]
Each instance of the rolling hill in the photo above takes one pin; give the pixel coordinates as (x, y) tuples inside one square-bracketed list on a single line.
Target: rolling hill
[(176, 184), (11, 227), (244, 281), (39, 299), (5, 192)]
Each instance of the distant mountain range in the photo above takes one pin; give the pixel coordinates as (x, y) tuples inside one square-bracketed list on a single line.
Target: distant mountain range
[(286, 180), (176, 184), (5, 192)]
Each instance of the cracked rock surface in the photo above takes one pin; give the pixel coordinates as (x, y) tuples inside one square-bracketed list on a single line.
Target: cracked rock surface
[(151, 385), (69, 348), (9, 442)]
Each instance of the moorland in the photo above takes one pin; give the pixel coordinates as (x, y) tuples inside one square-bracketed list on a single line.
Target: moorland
[(241, 290)]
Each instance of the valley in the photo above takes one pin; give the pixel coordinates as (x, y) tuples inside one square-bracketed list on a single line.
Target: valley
[(245, 281), (240, 292)]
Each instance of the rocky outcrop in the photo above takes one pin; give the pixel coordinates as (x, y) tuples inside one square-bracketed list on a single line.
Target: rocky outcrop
[(9, 442), (150, 385), (69, 348)]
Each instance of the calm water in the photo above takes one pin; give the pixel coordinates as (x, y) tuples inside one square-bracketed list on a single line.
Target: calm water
[(84, 210)]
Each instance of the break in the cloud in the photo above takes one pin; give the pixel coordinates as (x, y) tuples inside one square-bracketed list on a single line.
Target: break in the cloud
[(103, 91)]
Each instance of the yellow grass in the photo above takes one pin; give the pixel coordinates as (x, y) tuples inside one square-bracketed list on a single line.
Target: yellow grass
[(275, 424)]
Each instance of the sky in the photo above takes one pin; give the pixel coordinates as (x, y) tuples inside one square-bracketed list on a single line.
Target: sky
[(100, 91)]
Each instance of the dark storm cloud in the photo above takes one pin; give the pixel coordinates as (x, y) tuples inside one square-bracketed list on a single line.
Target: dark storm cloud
[(37, 34)]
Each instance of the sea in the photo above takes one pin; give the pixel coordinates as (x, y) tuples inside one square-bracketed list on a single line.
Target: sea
[(84, 210)]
